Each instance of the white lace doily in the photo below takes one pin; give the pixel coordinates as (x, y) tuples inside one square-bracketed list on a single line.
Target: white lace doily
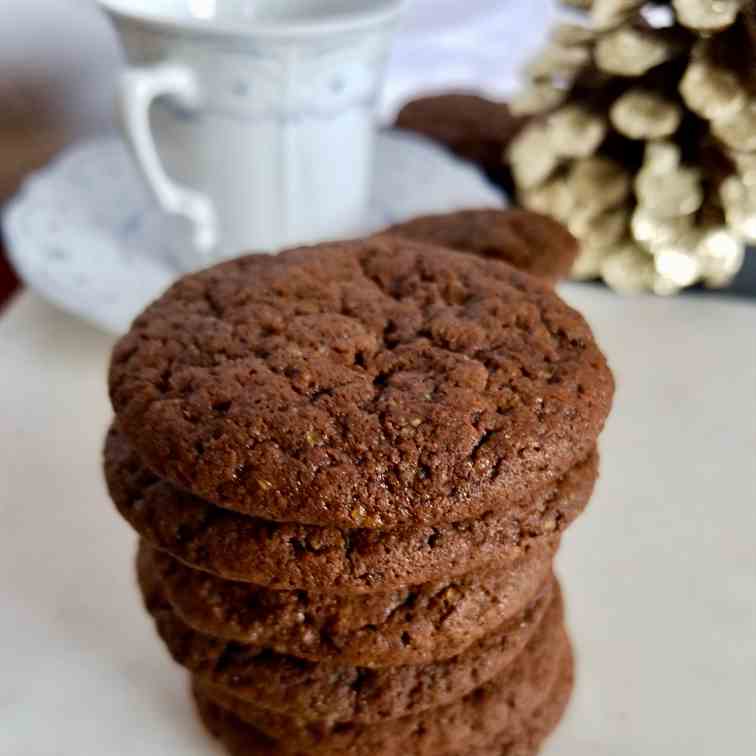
[(86, 234)]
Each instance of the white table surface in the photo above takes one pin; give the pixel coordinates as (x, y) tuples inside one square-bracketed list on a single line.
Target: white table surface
[(660, 574)]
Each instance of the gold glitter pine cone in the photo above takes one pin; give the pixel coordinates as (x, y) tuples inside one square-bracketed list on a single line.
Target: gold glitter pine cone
[(641, 139)]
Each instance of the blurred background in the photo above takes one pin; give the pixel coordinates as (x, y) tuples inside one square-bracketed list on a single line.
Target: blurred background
[(59, 58), (670, 532)]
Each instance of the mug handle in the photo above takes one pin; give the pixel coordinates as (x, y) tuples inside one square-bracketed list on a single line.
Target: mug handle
[(139, 88)]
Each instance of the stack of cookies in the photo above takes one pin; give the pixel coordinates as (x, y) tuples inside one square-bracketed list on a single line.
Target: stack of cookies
[(350, 467)]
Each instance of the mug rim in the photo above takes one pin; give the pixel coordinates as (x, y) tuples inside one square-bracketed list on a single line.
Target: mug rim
[(338, 23)]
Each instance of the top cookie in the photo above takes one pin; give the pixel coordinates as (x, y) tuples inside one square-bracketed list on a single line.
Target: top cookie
[(529, 241), (360, 384)]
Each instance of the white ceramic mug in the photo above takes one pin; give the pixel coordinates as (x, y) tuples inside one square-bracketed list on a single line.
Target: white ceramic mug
[(254, 119)]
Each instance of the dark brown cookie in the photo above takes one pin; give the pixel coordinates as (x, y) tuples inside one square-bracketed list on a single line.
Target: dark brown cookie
[(288, 556), (541, 724), (473, 127), (315, 691), (428, 622), (528, 241), (497, 707), (361, 384), (519, 734)]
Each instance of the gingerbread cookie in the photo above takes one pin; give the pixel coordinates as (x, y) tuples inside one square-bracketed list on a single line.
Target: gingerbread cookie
[(473, 127), (322, 559), (522, 735), (370, 383), (528, 241), (413, 625), (499, 706), (313, 691)]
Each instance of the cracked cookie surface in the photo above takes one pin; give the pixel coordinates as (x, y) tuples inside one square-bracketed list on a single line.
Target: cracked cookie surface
[(361, 384), (490, 710), (520, 732), (313, 691), (288, 556), (414, 625)]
